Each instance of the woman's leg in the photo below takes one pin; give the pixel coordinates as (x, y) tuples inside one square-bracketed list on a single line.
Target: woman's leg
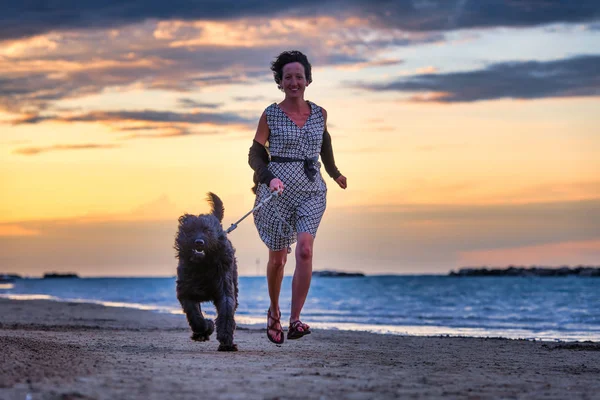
[(302, 274), (275, 267)]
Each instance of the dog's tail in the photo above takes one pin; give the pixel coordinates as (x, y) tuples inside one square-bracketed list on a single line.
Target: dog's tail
[(216, 206)]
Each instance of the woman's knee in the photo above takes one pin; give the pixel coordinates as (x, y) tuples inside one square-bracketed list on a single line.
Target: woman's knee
[(305, 251), (277, 261)]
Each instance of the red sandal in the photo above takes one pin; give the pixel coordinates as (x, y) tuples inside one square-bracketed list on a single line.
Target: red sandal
[(297, 329), (273, 327)]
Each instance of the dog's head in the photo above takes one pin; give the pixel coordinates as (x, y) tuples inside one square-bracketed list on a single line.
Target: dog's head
[(199, 236)]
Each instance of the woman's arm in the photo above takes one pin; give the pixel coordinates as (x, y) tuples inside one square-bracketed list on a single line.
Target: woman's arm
[(328, 159), (327, 156), (258, 158), (262, 131)]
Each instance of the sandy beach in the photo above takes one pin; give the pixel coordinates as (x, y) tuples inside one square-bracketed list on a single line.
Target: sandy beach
[(53, 350)]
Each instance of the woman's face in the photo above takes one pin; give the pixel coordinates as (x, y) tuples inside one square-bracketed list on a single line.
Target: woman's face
[(293, 80)]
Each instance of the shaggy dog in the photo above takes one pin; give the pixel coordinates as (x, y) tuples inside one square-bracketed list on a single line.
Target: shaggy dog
[(207, 271)]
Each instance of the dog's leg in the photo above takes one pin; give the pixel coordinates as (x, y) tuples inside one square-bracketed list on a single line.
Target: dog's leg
[(201, 328), (225, 322)]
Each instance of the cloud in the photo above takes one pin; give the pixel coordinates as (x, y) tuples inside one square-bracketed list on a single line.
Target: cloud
[(29, 119), (34, 76), (30, 151), (427, 70), (12, 230), (191, 103), (32, 91), (183, 56), (371, 64), (159, 132), (23, 19), (142, 124), (459, 14), (53, 54), (573, 77), (38, 72), (160, 116), (251, 98), (146, 123)]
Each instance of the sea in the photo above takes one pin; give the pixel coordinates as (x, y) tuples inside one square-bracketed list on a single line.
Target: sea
[(530, 308)]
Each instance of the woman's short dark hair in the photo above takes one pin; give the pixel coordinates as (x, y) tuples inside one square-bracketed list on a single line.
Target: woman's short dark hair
[(289, 57)]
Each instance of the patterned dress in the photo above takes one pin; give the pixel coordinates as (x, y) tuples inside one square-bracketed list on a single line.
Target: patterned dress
[(301, 205)]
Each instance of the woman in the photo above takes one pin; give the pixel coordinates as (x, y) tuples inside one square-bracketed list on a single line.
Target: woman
[(296, 133)]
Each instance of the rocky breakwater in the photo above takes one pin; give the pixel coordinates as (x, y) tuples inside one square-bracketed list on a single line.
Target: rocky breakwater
[(580, 270), (337, 274)]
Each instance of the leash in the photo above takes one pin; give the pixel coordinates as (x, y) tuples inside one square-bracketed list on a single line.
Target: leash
[(262, 203)]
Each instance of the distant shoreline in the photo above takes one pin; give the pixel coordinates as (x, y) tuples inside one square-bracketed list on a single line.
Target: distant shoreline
[(337, 274), (583, 271), (56, 275), (579, 271)]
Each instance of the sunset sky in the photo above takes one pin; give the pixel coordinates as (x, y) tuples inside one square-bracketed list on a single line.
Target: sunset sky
[(469, 131)]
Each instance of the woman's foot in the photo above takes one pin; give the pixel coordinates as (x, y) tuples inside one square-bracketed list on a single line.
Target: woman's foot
[(274, 330), (297, 329)]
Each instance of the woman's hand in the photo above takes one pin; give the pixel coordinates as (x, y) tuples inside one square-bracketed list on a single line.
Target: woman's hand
[(341, 180), (276, 185)]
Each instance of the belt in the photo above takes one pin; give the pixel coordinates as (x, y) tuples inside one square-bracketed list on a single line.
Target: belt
[(310, 164)]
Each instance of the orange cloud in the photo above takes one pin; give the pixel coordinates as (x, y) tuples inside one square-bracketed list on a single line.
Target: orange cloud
[(250, 31), (30, 151), (427, 70), (431, 97), (370, 64), (17, 230)]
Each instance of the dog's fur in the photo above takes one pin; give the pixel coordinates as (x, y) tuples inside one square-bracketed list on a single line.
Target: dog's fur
[(207, 271)]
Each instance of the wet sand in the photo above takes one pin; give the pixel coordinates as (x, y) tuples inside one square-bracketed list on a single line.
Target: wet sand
[(53, 350)]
